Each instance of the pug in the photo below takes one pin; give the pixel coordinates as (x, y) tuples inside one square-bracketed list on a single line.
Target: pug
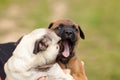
[(35, 56)]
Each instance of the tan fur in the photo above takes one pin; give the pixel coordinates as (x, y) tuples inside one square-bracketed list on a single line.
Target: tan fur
[(74, 63)]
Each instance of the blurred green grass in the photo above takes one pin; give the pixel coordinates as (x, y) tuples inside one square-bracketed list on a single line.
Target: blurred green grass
[(100, 21)]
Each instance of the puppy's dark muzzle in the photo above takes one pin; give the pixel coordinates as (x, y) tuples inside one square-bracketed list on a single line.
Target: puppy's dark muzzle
[(69, 35)]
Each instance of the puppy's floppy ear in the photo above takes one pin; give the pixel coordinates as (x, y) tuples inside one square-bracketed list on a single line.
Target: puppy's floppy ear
[(81, 33), (50, 25), (41, 44), (18, 41)]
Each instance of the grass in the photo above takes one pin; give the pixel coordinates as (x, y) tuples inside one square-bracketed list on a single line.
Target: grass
[(101, 47), (99, 20)]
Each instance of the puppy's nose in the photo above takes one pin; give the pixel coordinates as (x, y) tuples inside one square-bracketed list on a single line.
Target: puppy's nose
[(69, 33)]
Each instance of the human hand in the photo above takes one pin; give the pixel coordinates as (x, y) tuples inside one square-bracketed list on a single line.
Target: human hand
[(41, 78), (0, 78), (82, 75)]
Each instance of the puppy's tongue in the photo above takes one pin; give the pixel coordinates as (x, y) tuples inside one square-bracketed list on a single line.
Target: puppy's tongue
[(66, 51)]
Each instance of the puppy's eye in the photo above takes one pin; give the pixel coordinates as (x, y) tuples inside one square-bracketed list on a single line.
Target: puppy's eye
[(73, 26), (76, 30), (61, 25), (59, 28)]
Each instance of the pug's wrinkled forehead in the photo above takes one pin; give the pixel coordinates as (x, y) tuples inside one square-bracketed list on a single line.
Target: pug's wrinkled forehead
[(39, 33), (38, 39)]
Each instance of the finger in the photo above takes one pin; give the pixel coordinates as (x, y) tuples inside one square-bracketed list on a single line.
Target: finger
[(82, 63), (0, 78), (82, 66), (41, 78)]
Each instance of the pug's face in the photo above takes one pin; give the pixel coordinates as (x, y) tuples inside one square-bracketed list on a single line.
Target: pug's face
[(39, 44)]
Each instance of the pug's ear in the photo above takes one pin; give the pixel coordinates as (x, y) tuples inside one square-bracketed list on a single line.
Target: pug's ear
[(50, 25), (41, 44), (18, 41), (81, 33), (36, 47)]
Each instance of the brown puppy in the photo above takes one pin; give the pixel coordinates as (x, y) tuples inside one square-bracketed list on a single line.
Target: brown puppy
[(70, 34)]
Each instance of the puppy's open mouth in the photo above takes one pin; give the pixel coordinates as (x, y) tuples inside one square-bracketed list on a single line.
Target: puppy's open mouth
[(66, 49), (67, 46)]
